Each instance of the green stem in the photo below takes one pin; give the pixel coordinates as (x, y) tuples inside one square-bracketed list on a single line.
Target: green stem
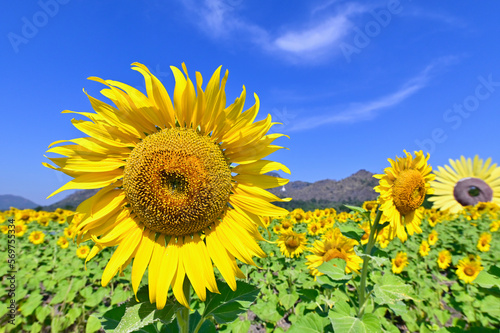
[(366, 260), (183, 313)]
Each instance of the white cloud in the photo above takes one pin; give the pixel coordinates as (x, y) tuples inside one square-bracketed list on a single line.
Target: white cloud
[(357, 112), (315, 38), (312, 39)]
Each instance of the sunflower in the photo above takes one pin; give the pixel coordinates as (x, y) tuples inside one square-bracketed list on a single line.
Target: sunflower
[(444, 259), (483, 244), (4, 229), (399, 263), (338, 246), (21, 229), (466, 183), (82, 252), (314, 228), (69, 232), (366, 228), (182, 182), (44, 221), (424, 248), (402, 189), (63, 242), (433, 237), (36, 237), (468, 270), (495, 225), (291, 243)]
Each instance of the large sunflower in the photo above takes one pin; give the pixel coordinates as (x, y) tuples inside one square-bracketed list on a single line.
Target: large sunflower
[(402, 189), (466, 183), (181, 182)]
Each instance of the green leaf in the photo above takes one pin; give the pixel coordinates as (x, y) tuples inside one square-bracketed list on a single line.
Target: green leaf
[(378, 256), (288, 300), (343, 322), (491, 306), (93, 324), (36, 327), (134, 315), (239, 326), (335, 270), (490, 278), (226, 306), (194, 320), (310, 323), (392, 289), (33, 302), (351, 231), (357, 209), (308, 295), (120, 295)]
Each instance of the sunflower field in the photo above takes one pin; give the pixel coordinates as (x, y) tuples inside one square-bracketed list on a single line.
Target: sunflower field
[(444, 279), (183, 236)]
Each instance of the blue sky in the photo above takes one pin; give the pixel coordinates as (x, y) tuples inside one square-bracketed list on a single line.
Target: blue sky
[(353, 83)]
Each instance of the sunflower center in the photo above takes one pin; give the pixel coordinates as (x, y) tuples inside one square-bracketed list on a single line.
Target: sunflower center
[(332, 254), (469, 191), (292, 242), (398, 262), (408, 191), (177, 182), (469, 271)]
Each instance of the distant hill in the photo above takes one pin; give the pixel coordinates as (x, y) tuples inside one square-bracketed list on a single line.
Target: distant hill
[(8, 200), (71, 201), (353, 190)]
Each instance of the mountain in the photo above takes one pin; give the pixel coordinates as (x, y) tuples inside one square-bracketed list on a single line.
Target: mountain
[(353, 190), (8, 200), (71, 201)]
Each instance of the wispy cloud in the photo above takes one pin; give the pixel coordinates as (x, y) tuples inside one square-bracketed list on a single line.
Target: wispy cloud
[(314, 38), (356, 112)]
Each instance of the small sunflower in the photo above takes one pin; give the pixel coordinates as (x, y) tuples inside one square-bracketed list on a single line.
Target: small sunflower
[(21, 229), (44, 221), (182, 182), (314, 228), (424, 249), (444, 259), (483, 244), (495, 225), (291, 243), (433, 237), (83, 251), (36, 237), (63, 242), (466, 183), (366, 228), (338, 246), (4, 229), (69, 232), (402, 189), (468, 270), (399, 263)]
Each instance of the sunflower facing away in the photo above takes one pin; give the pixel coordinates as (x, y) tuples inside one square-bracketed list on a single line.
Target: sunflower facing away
[(291, 243), (182, 184), (400, 262), (465, 183), (402, 189), (336, 246)]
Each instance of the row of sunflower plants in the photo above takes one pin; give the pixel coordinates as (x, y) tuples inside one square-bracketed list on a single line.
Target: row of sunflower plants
[(435, 280), (53, 288)]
